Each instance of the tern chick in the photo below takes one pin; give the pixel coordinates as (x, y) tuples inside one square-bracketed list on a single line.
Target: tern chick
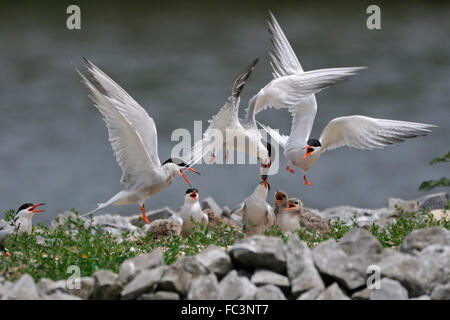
[(296, 217), (257, 215), (220, 222), (161, 228), (191, 212)]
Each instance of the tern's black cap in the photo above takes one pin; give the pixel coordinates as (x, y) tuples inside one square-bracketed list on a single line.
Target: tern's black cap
[(190, 190), (24, 206), (177, 161), (314, 143)]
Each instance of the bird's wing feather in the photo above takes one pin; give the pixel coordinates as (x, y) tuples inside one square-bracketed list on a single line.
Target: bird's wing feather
[(289, 91), (239, 209), (282, 58), (368, 133), (279, 138), (127, 144), (226, 119), (270, 216), (129, 108)]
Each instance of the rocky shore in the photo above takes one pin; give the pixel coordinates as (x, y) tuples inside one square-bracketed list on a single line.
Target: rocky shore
[(264, 267)]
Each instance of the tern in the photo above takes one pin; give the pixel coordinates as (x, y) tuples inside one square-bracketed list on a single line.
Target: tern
[(133, 137), (296, 217), (23, 220), (257, 215), (191, 212), (281, 199), (227, 131), (355, 131)]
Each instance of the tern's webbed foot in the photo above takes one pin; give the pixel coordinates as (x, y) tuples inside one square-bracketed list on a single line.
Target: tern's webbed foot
[(307, 183)]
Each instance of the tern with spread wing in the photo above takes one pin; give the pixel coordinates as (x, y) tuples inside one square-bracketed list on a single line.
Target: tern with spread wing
[(133, 137), (243, 134), (356, 131)]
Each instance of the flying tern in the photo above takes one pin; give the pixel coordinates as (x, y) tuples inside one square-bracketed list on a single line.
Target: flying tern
[(243, 134), (355, 131), (133, 137)]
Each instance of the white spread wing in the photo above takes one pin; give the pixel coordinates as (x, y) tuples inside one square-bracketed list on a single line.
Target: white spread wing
[(127, 144), (288, 91), (369, 133), (129, 108), (282, 58), (226, 119)]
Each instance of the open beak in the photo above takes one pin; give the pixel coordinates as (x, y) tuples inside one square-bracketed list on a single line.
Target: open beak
[(290, 206), (278, 196), (33, 208), (309, 150), (184, 176), (193, 170), (193, 195)]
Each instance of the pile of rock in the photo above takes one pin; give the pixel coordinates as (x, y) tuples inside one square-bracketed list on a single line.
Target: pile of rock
[(262, 267), (381, 216)]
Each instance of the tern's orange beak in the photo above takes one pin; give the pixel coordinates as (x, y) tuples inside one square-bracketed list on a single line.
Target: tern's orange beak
[(33, 208), (309, 150), (195, 171), (278, 196), (290, 206), (184, 176), (193, 195), (265, 183)]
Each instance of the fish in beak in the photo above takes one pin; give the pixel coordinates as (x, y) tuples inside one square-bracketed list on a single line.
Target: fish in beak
[(33, 208), (309, 150)]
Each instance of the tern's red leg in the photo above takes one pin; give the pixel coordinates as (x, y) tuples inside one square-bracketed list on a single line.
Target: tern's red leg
[(289, 169), (212, 158), (144, 216), (227, 155), (307, 183)]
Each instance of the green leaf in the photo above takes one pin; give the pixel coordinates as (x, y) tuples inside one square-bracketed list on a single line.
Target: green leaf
[(445, 158), (431, 184)]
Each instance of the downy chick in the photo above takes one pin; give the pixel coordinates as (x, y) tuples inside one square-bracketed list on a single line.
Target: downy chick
[(297, 217)]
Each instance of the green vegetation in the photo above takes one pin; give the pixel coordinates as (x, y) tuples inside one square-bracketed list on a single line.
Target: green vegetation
[(48, 252), (442, 182)]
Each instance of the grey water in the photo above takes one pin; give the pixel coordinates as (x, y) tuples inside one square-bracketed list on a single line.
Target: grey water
[(179, 62)]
